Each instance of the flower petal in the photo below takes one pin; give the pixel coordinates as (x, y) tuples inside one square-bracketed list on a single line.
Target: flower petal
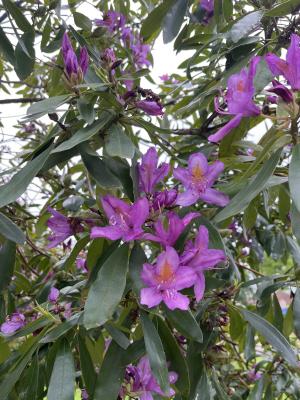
[(150, 297), (226, 129), (199, 287), (185, 277), (148, 274), (174, 300), (197, 161), (109, 232), (187, 198), (214, 170), (213, 196)]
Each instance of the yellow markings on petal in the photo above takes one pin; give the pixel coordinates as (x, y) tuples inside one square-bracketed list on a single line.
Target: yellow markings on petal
[(166, 273)]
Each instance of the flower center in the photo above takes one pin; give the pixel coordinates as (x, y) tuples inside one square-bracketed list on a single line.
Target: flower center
[(199, 180), (166, 273)]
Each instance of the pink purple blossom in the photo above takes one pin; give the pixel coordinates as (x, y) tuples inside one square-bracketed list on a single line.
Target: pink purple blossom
[(13, 323), (207, 6), (53, 295), (169, 228), (289, 68), (164, 280), (239, 100), (150, 174), (151, 107), (165, 198), (75, 68), (62, 227), (198, 179), (125, 220), (198, 256), (112, 20), (282, 91), (142, 383)]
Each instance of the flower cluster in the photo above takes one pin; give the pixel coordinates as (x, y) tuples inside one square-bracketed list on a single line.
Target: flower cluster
[(75, 68), (241, 89), (155, 211)]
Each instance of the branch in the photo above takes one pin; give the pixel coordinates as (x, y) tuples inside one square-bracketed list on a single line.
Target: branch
[(25, 100)]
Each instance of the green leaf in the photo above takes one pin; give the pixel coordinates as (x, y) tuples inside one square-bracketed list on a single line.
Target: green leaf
[(82, 21), (185, 323), (174, 356), (295, 219), (296, 312), (136, 260), (106, 292), (6, 48), (12, 190), (154, 20), (81, 243), (111, 374), (218, 387), (174, 19), (10, 230), (86, 133), (32, 392), (263, 76), (47, 106), (7, 263), (17, 15), (25, 60), (156, 354), (62, 381), (283, 9), (272, 335), (98, 169), (117, 143), (86, 109), (87, 366), (245, 25), (294, 176), (118, 336), (250, 191), (60, 330)]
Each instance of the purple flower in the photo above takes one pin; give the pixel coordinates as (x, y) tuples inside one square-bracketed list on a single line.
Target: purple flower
[(127, 36), (125, 220), (239, 99), (84, 394), (198, 179), (166, 198), (109, 56), (151, 107), (149, 173), (198, 256), (167, 231), (165, 77), (140, 53), (112, 20), (253, 376), (68, 310), (164, 279), (13, 323), (53, 295), (75, 69), (62, 227), (290, 68), (81, 264), (207, 6), (143, 383), (282, 91)]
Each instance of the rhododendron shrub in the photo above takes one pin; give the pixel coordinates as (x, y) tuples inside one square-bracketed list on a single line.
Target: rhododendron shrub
[(149, 223)]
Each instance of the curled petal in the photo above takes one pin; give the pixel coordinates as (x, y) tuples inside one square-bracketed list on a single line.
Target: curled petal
[(226, 129)]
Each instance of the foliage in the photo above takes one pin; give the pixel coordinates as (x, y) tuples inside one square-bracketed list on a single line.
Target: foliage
[(131, 278)]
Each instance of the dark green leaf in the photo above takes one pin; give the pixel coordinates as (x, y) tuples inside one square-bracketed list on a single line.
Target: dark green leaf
[(19, 17), (86, 133), (87, 366), (185, 323), (294, 176), (250, 191), (174, 19), (111, 374), (117, 143), (12, 190), (286, 7), (263, 76), (32, 392), (272, 335), (154, 20), (155, 353), (107, 290), (25, 60), (60, 330), (136, 260), (174, 356), (82, 21), (86, 109), (296, 312), (10, 230), (7, 263), (6, 48), (98, 169), (47, 106), (62, 382), (118, 336)]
